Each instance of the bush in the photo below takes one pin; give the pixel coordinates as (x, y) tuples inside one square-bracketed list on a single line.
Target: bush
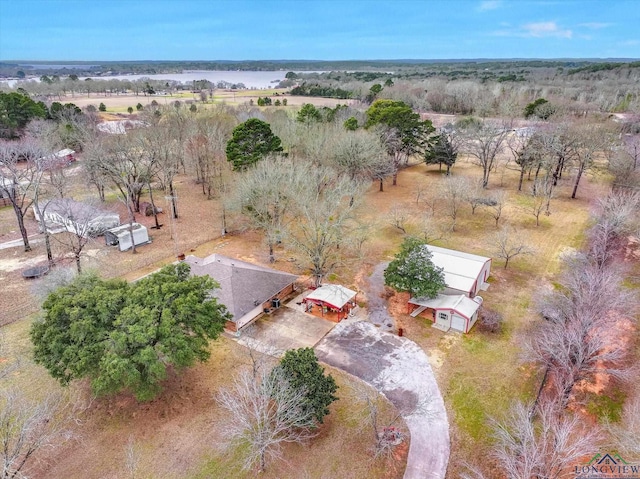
[(102, 107), (489, 321)]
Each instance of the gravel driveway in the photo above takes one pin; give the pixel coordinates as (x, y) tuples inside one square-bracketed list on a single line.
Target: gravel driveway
[(400, 370)]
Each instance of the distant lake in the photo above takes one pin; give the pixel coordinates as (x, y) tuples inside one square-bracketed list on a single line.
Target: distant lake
[(251, 79), (56, 67)]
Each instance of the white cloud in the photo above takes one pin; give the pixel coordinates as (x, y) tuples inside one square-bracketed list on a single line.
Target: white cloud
[(534, 30), (545, 29), (595, 25), (489, 5), (629, 43)]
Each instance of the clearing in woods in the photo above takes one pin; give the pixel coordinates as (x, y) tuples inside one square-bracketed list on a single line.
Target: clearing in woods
[(478, 374)]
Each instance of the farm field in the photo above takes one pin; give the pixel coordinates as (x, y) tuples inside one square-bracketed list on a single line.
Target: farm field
[(120, 103)]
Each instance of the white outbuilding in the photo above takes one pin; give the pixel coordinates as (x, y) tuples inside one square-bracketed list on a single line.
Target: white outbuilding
[(457, 312), (121, 236), (464, 273)]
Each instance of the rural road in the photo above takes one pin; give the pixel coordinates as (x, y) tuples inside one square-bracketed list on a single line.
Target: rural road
[(399, 369)]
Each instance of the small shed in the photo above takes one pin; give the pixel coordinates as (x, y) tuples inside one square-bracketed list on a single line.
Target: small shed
[(121, 236), (457, 312), (333, 301)]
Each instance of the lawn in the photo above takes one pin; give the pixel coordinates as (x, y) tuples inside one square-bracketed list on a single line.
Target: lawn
[(180, 434), (481, 374), (478, 374)]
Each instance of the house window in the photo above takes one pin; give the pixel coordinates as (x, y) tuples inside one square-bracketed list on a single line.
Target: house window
[(443, 316)]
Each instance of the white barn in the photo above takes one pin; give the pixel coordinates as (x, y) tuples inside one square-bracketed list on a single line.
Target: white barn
[(121, 236), (464, 273)]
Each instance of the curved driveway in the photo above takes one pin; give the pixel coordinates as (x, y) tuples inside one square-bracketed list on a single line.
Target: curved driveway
[(400, 370)]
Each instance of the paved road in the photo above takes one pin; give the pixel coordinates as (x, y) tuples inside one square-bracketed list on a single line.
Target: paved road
[(400, 370)]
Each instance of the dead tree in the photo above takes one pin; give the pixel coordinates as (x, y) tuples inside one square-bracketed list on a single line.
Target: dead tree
[(541, 442), (453, 193), (508, 244), (27, 426), (264, 414), (20, 178), (484, 142), (575, 341)]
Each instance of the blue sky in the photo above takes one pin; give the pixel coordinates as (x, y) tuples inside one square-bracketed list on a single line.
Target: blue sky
[(317, 30)]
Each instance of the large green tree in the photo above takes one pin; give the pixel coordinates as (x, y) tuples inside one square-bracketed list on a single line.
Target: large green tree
[(413, 271), (125, 336), (304, 373), (251, 141), (402, 130), (16, 110)]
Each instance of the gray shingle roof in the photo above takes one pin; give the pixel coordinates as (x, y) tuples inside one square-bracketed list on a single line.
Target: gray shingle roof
[(243, 286)]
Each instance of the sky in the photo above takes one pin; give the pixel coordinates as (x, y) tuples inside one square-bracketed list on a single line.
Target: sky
[(103, 30)]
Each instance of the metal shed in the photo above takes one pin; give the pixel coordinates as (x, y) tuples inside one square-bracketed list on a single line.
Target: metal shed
[(121, 236)]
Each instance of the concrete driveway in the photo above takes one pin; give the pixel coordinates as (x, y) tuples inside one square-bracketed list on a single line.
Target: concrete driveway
[(285, 328), (400, 370)]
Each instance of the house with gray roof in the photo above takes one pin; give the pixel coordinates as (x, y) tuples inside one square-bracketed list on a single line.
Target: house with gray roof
[(246, 289)]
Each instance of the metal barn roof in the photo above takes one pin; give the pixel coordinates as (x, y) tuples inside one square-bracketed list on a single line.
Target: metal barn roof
[(461, 270)]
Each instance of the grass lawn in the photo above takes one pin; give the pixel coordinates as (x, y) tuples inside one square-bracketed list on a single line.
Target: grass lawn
[(481, 374), (180, 434)]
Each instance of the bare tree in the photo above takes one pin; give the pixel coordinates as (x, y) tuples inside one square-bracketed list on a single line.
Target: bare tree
[(452, 194), (497, 204), (205, 148), (264, 414), (83, 222), (474, 195), (20, 177), (163, 152), (27, 426), (267, 195), (123, 163), (377, 418), (626, 432), (542, 442), (509, 244), (625, 164), (538, 201), (484, 142), (430, 229), (399, 215), (576, 340), (523, 156), (324, 216), (592, 140)]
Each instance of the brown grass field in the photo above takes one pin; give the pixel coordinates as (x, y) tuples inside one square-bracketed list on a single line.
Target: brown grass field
[(120, 103), (176, 435)]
